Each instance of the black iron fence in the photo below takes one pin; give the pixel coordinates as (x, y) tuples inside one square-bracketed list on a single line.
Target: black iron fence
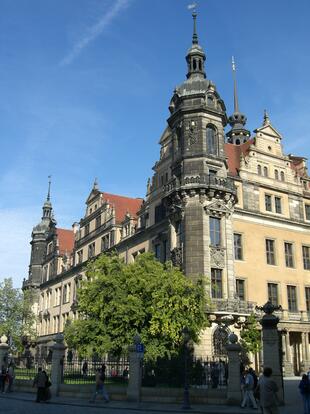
[(202, 372), (26, 368), (83, 371)]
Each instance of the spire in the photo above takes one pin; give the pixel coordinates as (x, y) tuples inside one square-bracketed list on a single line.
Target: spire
[(266, 118), (196, 56), (238, 133), (49, 188), (47, 206), (236, 103), (195, 36), (96, 186)]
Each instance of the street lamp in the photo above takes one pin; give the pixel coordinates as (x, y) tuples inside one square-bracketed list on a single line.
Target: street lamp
[(186, 338)]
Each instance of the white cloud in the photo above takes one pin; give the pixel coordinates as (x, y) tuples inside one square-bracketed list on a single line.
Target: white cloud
[(94, 31)]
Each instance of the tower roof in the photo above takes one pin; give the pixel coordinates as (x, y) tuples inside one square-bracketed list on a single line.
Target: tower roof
[(195, 56)]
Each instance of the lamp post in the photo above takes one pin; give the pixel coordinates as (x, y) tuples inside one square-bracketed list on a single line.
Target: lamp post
[(186, 338)]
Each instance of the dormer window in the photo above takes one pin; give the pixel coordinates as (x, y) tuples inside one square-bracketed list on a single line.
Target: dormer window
[(259, 170), (276, 174)]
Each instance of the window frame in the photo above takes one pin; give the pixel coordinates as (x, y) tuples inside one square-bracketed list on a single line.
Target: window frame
[(216, 283), (270, 254), (238, 248), (278, 204), (289, 256), (243, 298), (307, 212), (212, 144), (268, 202), (290, 302), (306, 258), (270, 286), (215, 231)]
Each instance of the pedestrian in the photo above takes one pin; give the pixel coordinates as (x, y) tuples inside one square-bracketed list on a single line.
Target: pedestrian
[(248, 391), (126, 374), (304, 387), (85, 369), (268, 392), (47, 391), (40, 381), (100, 387), (2, 379), (10, 377)]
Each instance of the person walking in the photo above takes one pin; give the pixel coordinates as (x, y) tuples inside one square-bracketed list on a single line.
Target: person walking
[(268, 392), (2, 379), (248, 391), (100, 387), (304, 387), (10, 377), (40, 381)]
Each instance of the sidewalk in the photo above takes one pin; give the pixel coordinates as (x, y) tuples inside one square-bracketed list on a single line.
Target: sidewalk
[(130, 406), (292, 400)]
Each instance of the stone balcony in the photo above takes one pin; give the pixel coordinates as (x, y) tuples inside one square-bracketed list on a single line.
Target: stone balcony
[(207, 181), (234, 306)]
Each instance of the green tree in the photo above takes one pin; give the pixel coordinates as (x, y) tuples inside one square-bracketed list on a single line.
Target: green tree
[(251, 335), (16, 316), (146, 297)]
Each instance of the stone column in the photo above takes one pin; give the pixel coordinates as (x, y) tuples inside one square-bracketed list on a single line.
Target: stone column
[(233, 386), (288, 366), (135, 370), (58, 355), (4, 351), (271, 346), (305, 351)]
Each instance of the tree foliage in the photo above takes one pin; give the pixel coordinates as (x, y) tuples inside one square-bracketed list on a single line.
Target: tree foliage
[(251, 335), (16, 316), (146, 297)]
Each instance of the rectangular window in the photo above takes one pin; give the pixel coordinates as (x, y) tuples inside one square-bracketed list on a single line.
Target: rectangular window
[(105, 243), (270, 252), (240, 289), (157, 251), (307, 211), (268, 205), (277, 203), (79, 256), (86, 230), (98, 221), (216, 284), (292, 298), (215, 231), (238, 246), (273, 293), (307, 294), (306, 257), (91, 250), (160, 213), (289, 258)]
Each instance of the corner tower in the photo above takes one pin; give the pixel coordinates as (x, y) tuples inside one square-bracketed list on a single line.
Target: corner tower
[(199, 197)]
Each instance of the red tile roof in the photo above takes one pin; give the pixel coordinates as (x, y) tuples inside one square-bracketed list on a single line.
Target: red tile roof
[(233, 154), (123, 205), (65, 240)]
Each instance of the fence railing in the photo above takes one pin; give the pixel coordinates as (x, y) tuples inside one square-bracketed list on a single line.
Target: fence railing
[(202, 372), (83, 371), (27, 368)]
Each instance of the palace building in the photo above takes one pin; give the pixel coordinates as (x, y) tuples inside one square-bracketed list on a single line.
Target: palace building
[(222, 202)]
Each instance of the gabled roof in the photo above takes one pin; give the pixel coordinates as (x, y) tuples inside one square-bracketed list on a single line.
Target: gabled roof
[(123, 205), (234, 153), (269, 130), (65, 240)]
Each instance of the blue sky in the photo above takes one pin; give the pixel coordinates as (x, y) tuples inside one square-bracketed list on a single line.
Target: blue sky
[(85, 87)]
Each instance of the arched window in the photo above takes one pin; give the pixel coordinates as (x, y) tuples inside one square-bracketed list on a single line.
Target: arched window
[(259, 169), (282, 176), (237, 141), (212, 144), (220, 340), (195, 64), (276, 174), (265, 171)]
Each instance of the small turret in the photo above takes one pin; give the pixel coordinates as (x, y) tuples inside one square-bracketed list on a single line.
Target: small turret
[(195, 56), (238, 133)]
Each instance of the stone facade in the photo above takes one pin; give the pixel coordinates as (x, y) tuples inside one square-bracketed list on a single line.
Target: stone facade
[(235, 211)]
